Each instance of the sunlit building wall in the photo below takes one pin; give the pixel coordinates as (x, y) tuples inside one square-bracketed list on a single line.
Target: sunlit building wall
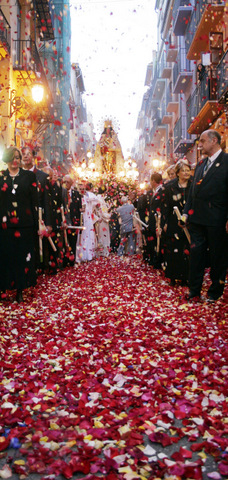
[(24, 29)]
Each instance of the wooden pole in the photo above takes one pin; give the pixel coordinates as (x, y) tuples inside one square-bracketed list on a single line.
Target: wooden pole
[(64, 223), (158, 224), (40, 238), (178, 214)]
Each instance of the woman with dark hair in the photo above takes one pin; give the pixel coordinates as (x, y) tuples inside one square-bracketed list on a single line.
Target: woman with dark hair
[(18, 225), (201, 70), (176, 191)]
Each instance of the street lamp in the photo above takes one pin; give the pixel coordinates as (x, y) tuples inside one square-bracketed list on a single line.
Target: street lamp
[(17, 102), (156, 163), (37, 92)]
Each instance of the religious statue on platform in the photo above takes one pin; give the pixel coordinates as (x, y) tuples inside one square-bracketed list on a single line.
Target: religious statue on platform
[(108, 156), (107, 149)]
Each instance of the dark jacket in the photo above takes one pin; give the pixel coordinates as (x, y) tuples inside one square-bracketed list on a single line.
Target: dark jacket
[(44, 197), (56, 193), (155, 208), (174, 196), (18, 200), (73, 211), (207, 202), (143, 206)]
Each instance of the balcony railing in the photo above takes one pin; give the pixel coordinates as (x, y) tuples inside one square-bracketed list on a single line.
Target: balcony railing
[(182, 73), (172, 101), (171, 47), (181, 136), (222, 78), (165, 67), (23, 55), (182, 64), (158, 83), (45, 18), (166, 117), (170, 97), (5, 32), (162, 108), (192, 107), (154, 128), (204, 92), (26, 57)]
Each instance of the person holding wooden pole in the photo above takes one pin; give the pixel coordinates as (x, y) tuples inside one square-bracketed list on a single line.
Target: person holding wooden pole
[(177, 248), (72, 202), (44, 202), (19, 225)]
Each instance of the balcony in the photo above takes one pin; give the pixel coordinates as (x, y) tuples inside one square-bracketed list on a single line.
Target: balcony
[(203, 107), (207, 18), (171, 48), (27, 67), (222, 79), (182, 140), (5, 36), (171, 102), (157, 132), (166, 67), (181, 15), (26, 60), (165, 116), (140, 121), (162, 133), (45, 19), (149, 73), (23, 60), (158, 84), (182, 75), (169, 150), (149, 103)]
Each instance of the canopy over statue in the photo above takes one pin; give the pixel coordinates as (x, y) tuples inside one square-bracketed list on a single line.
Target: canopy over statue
[(108, 157)]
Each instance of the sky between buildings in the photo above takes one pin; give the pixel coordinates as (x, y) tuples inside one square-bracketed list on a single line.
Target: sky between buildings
[(113, 42)]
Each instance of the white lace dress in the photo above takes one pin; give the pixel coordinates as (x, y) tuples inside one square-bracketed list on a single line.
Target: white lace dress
[(86, 241)]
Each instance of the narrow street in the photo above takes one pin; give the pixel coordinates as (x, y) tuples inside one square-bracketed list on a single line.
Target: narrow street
[(107, 372)]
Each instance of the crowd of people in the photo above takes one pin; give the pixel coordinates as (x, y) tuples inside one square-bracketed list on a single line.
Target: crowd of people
[(178, 225)]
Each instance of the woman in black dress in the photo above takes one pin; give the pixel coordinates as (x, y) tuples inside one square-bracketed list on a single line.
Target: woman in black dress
[(177, 246), (18, 225)]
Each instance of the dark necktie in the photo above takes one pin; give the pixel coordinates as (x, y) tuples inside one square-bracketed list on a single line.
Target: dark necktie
[(69, 198), (206, 167)]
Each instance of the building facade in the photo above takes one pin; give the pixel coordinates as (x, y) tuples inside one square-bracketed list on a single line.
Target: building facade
[(35, 45), (187, 80), (25, 28)]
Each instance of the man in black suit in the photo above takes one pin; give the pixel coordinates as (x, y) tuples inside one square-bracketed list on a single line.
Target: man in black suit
[(207, 213), (56, 259), (72, 206), (44, 199)]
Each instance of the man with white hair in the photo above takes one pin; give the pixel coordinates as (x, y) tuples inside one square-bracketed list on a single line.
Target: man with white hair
[(127, 234), (207, 213)]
